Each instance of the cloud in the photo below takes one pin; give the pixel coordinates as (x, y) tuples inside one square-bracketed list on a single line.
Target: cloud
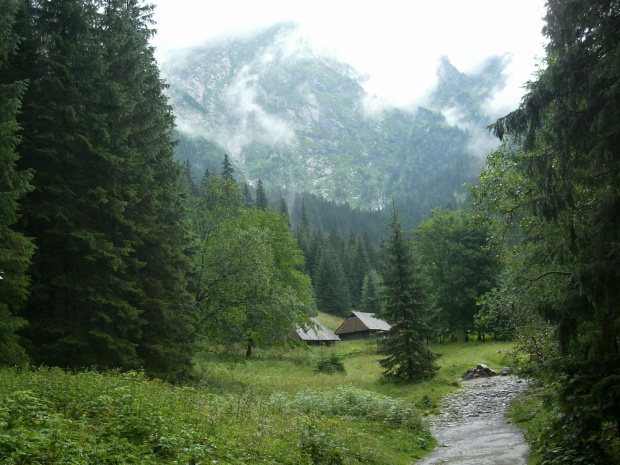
[(396, 43)]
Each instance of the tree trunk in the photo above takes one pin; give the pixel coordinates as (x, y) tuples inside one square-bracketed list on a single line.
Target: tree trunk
[(248, 352)]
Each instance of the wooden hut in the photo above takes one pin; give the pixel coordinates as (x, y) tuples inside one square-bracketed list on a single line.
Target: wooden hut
[(315, 333), (360, 325)]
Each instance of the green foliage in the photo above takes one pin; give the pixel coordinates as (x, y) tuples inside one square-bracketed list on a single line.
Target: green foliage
[(52, 416), (48, 416), (371, 300), (15, 249), (358, 403), (407, 354), (227, 169), (261, 197), (247, 285), (319, 444), (108, 275), (458, 267), (330, 283), (555, 187), (330, 364)]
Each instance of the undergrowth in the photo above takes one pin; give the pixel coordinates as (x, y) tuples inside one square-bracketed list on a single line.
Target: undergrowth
[(554, 441), (276, 408), (48, 416)]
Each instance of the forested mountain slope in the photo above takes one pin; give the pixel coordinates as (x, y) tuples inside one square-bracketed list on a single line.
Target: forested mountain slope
[(301, 121)]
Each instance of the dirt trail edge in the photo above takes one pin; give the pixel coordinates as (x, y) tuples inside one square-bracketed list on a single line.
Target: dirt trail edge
[(471, 428)]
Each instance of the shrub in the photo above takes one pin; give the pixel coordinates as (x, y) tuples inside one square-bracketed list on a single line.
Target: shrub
[(352, 402), (331, 364)]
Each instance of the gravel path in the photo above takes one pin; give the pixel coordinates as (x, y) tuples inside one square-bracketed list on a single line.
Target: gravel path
[(471, 428)]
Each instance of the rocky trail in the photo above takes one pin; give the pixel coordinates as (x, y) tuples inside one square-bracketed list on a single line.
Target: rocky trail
[(471, 428)]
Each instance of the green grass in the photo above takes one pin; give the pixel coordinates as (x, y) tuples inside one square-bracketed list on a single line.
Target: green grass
[(275, 408), (529, 413), (294, 370), (331, 321)]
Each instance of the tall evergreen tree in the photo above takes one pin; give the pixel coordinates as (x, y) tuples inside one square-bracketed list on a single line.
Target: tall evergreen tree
[(557, 181), (77, 315), (330, 283), (106, 212), (15, 248), (261, 196), (186, 183), (371, 300), (302, 233), (227, 169), (205, 179), (158, 216), (246, 200), (407, 355)]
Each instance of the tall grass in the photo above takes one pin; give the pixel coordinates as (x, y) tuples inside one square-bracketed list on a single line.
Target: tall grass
[(276, 408)]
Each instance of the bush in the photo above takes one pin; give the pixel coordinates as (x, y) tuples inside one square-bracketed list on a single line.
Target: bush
[(352, 402), (318, 442), (331, 364)]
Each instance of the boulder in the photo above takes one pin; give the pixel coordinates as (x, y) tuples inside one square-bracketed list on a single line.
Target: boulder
[(481, 371)]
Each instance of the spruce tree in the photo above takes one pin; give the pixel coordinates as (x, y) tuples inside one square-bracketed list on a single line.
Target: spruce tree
[(108, 273), (78, 310), (371, 300), (246, 199), (157, 213), (330, 283), (187, 185), (227, 169), (302, 234), (560, 175), (405, 346), (205, 179), (15, 248), (261, 196)]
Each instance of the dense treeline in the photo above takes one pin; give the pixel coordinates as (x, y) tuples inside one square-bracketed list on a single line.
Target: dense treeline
[(134, 266), (105, 213), (554, 189), (15, 248)]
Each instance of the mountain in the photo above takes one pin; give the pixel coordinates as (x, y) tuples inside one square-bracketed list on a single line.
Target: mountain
[(300, 120)]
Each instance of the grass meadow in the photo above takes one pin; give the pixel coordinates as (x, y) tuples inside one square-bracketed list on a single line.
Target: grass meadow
[(275, 408)]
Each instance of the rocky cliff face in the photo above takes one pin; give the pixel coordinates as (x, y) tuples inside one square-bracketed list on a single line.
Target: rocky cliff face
[(299, 120)]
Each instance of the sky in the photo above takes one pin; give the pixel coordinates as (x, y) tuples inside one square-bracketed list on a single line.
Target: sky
[(396, 43)]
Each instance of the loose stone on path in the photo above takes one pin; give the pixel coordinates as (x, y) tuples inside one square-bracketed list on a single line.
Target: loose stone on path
[(471, 428)]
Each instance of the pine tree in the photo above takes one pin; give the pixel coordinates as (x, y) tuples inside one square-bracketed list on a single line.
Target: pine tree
[(246, 200), (205, 179), (302, 233), (563, 180), (330, 283), (78, 309), (261, 196), (108, 273), (408, 357), (161, 233), (186, 183), (15, 248), (227, 169), (371, 300)]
